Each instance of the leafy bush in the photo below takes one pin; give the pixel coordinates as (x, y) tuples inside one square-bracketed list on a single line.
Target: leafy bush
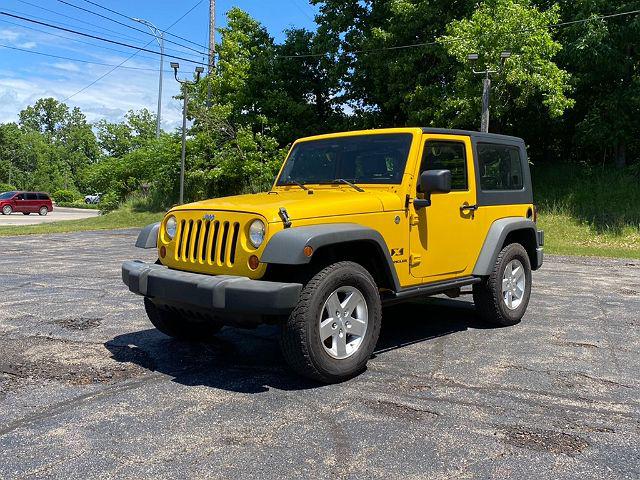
[(109, 203), (5, 187), (64, 196), (78, 204)]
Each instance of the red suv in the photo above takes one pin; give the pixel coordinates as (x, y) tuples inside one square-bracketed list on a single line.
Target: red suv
[(25, 202)]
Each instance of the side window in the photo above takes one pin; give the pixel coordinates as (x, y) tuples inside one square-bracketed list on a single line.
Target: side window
[(447, 155), (43, 196), (31, 196), (20, 196), (500, 167)]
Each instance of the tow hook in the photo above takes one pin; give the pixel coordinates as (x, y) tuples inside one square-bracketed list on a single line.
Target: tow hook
[(285, 217)]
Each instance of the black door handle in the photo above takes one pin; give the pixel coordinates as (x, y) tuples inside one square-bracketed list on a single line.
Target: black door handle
[(468, 208)]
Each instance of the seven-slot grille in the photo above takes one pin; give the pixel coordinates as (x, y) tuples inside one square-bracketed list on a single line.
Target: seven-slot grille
[(205, 241)]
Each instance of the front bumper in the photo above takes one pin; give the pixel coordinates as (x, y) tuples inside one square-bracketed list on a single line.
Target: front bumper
[(221, 294)]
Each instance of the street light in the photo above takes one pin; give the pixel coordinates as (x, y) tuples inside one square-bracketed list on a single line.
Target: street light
[(199, 70), (159, 34), (486, 86)]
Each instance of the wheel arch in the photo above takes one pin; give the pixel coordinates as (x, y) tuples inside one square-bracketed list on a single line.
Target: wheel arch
[(332, 243), (502, 233)]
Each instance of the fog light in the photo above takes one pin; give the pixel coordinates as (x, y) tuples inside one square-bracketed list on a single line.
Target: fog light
[(163, 251), (254, 262), (308, 250)]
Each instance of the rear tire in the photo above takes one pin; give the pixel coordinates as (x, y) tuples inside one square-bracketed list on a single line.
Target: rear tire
[(502, 298), (178, 326), (43, 211), (7, 210), (333, 330)]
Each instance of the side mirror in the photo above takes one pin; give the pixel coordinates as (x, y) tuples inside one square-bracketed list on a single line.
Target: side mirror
[(433, 181)]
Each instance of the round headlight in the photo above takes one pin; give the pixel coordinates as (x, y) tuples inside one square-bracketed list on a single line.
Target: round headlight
[(256, 233), (171, 226)]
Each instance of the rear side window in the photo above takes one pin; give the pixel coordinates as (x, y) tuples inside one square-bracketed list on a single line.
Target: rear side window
[(500, 167), (31, 196), (447, 155), (43, 196)]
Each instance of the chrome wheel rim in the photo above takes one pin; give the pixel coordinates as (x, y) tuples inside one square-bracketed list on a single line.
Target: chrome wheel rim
[(514, 283), (43, 211), (7, 210), (343, 322)]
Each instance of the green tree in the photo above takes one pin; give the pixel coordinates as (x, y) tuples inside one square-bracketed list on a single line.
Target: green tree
[(529, 76), (604, 59)]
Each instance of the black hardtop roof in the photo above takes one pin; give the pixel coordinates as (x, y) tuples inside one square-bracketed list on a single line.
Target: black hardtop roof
[(477, 135)]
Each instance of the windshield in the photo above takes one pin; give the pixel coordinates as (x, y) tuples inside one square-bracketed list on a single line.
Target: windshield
[(6, 195), (379, 158)]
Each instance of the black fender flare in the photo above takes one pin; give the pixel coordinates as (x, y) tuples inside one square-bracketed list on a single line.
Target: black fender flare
[(287, 246), (148, 237), (495, 240)]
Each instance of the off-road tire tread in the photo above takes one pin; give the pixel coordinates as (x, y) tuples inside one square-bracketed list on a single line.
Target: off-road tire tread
[(294, 348), (487, 300)]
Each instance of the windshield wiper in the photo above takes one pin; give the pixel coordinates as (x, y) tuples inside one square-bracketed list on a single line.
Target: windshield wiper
[(347, 182), (293, 182)]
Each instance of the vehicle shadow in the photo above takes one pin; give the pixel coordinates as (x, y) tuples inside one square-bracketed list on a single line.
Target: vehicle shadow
[(249, 361)]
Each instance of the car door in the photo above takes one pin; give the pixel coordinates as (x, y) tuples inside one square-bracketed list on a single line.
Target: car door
[(19, 203), (441, 232), (31, 201)]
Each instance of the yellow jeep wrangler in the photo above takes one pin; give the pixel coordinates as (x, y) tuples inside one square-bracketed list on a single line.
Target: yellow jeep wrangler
[(354, 221)]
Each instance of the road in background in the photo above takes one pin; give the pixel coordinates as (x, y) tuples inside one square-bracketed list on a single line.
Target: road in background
[(89, 389), (59, 214)]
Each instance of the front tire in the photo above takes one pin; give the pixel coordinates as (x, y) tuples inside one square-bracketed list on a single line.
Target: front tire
[(178, 326), (43, 211), (7, 210), (502, 298), (334, 328)]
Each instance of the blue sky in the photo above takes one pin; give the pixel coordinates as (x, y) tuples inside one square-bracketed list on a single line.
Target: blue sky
[(26, 76)]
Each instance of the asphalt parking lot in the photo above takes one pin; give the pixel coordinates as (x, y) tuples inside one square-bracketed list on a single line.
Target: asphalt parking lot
[(59, 214), (88, 389)]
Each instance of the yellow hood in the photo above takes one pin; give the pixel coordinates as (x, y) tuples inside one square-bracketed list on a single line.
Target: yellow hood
[(300, 204)]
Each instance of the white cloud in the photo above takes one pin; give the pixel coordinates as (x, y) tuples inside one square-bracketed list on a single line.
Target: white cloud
[(28, 45), (9, 35), (110, 98)]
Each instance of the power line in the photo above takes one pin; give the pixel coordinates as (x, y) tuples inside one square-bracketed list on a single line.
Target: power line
[(75, 26), (69, 38), (164, 31), (124, 24), (105, 29), (60, 57), (425, 44), (115, 42), (120, 65)]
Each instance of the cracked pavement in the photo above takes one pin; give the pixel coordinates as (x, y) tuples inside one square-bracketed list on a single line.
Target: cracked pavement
[(89, 389)]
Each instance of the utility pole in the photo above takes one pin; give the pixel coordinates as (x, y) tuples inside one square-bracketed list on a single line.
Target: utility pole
[(212, 36), (212, 47), (159, 34), (185, 93), (486, 87)]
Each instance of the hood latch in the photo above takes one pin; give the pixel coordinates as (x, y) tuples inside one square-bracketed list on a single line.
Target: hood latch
[(285, 217)]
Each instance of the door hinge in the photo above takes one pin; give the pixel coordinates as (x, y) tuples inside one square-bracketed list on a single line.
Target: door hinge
[(415, 259), (414, 220)]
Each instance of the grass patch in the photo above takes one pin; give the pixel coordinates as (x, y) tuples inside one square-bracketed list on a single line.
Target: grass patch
[(588, 211), (123, 218), (565, 235)]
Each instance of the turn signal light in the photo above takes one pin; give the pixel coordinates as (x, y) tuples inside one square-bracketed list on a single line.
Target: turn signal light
[(308, 250), (254, 262), (163, 251)]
